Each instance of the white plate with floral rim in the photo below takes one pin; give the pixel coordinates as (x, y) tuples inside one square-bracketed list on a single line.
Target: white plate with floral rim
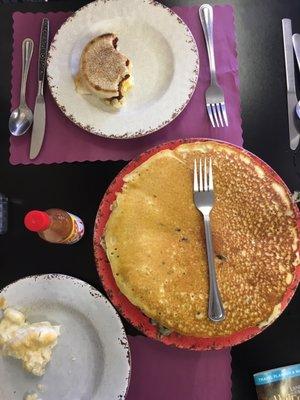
[(91, 360), (165, 62)]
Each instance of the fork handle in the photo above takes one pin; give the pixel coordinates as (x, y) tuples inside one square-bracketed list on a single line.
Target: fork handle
[(216, 311), (206, 17)]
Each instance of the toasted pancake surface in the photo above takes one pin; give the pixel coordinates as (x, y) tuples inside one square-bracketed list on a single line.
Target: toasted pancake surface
[(155, 241), (103, 69)]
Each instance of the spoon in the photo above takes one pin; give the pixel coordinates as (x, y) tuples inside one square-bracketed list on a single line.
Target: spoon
[(296, 44), (21, 118)]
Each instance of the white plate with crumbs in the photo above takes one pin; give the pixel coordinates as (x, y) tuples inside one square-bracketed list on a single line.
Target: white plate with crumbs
[(165, 66), (91, 360)]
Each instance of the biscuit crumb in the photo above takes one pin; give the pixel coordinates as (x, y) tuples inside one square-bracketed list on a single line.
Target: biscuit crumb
[(3, 303), (32, 396), (40, 387)]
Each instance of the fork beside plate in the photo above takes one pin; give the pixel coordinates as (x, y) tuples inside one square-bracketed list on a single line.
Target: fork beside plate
[(214, 96)]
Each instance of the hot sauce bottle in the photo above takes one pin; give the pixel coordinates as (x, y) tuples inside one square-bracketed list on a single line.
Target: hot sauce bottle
[(55, 225)]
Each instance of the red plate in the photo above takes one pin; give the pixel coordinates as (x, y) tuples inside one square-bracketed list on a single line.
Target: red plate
[(133, 314)]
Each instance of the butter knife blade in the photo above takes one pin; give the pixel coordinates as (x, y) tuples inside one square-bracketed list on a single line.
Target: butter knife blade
[(290, 82), (39, 116), (38, 129)]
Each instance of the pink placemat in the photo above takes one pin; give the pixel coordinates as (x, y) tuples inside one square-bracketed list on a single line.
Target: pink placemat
[(161, 372), (65, 142)]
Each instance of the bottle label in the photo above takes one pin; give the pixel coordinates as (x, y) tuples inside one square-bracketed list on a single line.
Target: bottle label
[(76, 232)]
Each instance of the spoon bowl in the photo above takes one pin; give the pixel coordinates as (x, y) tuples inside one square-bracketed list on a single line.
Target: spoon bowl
[(20, 120)]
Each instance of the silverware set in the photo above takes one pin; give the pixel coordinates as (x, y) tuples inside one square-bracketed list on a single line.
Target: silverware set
[(22, 117), (291, 41)]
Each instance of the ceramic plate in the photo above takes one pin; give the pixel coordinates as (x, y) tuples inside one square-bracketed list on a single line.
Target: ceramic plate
[(133, 314), (91, 360), (165, 66)]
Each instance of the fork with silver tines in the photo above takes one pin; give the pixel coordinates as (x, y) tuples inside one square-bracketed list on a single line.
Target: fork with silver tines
[(204, 201), (214, 96)]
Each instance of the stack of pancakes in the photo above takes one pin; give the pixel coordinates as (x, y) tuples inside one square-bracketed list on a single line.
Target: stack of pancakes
[(155, 241)]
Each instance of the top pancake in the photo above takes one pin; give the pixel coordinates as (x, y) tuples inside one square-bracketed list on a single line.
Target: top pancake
[(155, 241)]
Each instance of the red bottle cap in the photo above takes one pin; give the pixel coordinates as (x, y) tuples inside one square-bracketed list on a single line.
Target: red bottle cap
[(37, 221)]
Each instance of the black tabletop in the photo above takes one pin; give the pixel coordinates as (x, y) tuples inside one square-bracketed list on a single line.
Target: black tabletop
[(79, 187)]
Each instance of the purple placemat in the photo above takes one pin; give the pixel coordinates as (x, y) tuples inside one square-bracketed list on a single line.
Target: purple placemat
[(65, 142), (161, 372)]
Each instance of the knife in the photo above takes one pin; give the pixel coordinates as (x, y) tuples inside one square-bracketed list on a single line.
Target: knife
[(39, 118), (290, 82)]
